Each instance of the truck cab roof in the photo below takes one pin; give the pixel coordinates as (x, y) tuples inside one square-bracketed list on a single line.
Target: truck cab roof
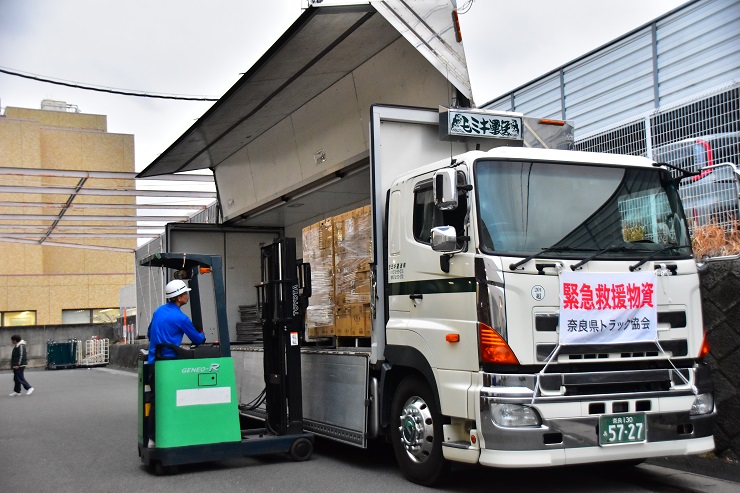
[(550, 155)]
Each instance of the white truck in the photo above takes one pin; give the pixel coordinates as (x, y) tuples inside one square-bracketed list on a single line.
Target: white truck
[(531, 305)]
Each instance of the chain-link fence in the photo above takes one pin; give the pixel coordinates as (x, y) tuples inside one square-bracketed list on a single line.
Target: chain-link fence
[(700, 135)]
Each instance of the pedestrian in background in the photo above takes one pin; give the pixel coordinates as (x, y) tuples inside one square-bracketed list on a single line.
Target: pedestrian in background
[(19, 360)]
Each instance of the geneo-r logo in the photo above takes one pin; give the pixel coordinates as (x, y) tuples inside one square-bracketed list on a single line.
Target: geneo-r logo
[(202, 369)]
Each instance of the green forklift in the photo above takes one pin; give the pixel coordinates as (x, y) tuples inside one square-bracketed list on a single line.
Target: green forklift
[(188, 408)]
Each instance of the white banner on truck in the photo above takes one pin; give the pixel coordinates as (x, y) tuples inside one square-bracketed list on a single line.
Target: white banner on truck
[(607, 308)]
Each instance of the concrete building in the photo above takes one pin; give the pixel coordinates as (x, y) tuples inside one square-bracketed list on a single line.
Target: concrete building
[(43, 151)]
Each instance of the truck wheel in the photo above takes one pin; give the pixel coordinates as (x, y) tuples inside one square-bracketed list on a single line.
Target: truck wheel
[(301, 449), (416, 432)]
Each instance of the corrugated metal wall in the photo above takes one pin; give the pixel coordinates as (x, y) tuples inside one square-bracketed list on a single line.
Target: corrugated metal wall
[(209, 215), (614, 83), (698, 49), (149, 285), (693, 49)]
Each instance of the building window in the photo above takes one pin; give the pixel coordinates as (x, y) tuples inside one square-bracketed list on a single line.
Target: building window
[(18, 319), (75, 316), (90, 316), (105, 315)]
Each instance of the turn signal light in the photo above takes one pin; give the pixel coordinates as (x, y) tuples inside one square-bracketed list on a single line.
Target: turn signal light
[(493, 348), (452, 337), (704, 347)]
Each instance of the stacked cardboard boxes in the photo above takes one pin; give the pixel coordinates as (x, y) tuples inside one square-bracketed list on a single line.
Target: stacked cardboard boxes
[(352, 256), (318, 250), (339, 251)]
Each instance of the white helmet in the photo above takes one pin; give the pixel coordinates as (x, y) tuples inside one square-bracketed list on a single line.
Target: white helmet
[(175, 288)]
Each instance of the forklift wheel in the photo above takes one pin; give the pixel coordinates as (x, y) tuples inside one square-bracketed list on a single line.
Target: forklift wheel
[(159, 469), (301, 450)]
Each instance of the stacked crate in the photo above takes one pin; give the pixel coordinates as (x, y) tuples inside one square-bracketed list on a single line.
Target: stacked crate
[(97, 352), (249, 326), (352, 256), (318, 250)]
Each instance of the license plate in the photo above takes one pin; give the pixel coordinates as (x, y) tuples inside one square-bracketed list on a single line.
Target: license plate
[(622, 428)]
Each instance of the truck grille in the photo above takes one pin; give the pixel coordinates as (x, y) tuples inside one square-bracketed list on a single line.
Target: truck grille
[(604, 383), (674, 348)]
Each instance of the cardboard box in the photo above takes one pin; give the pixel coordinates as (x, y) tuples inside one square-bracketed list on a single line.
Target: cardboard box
[(351, 286), (321, 331), (353, 320), (342, 321), (352, 238)]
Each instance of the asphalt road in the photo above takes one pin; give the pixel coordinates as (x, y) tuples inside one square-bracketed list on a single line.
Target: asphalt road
[(77, 433)]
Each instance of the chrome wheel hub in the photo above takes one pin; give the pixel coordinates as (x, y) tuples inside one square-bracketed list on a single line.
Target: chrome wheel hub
[(417, 430)]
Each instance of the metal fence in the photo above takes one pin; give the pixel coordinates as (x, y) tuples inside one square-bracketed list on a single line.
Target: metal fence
[(644, 218), (700, 134)]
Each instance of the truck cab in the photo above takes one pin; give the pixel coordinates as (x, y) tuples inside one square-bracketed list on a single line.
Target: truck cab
[(478, 245)]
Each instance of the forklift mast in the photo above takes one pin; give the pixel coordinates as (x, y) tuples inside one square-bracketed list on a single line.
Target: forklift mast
[(283, 297)]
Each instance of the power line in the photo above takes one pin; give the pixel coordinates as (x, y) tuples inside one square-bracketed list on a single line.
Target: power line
[(466, 7), (85, 87)]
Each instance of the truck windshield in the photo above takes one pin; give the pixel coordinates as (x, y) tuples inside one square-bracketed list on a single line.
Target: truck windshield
[(526, 207)]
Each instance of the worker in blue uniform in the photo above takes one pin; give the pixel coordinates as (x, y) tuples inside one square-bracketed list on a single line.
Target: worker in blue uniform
[(168, 326), (169, 323)]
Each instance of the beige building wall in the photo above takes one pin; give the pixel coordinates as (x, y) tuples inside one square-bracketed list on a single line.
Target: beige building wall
[(48, 279)]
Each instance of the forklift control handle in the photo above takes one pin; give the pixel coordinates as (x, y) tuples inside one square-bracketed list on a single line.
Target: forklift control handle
[(180, 353)]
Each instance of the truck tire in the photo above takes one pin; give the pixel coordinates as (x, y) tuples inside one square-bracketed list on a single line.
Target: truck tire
[(416, 432)]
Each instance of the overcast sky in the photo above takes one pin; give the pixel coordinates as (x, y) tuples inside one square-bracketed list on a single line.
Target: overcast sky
[(201, 47)]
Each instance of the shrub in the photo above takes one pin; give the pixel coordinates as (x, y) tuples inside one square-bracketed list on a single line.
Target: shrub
[(714, 241)]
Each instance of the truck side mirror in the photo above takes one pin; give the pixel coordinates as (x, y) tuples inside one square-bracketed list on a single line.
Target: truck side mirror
[(445, 189), (444, 239)]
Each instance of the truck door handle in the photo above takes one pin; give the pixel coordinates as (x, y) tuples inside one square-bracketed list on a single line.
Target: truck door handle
[(416, 296)]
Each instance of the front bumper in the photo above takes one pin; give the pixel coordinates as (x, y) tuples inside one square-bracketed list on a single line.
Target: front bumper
[(569, 429), (587, 455)]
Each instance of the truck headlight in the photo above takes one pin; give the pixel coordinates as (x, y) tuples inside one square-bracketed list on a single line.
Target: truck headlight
[(703, 404), (512, 415)]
